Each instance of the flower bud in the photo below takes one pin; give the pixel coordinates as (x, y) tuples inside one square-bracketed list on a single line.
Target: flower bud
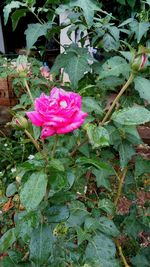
[(21, 122), (139, 62)]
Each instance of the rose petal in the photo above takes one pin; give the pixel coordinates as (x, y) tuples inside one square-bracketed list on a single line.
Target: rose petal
[(47, 131), (35, 118)]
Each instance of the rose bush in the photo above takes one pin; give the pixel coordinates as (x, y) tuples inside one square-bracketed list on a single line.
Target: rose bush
[(59, 113)]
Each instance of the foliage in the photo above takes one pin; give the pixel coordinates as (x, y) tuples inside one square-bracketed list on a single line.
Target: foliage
[(79, 199)]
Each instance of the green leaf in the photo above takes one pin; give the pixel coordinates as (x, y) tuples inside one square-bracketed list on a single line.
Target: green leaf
[(7, 240), (26, 222), (56, 164), (41, 245), (11, 189), (82, 235), (126, 151), (78, 213), (131, 2), (103, 224), (131, 116), (132, 225), (16, 16), (34, 190), (139, 28), (34, 31), (74, 62), (88, 7), (8, 8), (140, 260), (56, 214), (98, 136), (110, 43), (36, 132), (141, 166), (102, 178), (107, 205), (102, 249), (142, 85), (122, 2), (98, 164), (113, 67), (89, 104)]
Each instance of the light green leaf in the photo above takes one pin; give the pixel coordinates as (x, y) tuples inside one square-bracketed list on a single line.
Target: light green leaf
[(41, 245), (34, 31), (98, 136), (74, 62), (142, 85), (34, 190), (7, 240), (88, 7), (113, 67), (8, 8), (16, 16), (131, 116), (11, 189), (139, 28), (107, 205)]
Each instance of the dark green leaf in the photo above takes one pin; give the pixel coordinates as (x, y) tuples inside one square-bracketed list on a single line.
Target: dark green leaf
[(56, 164), (57, 213), (78, 213), (107, 205), (41, 245), (142, 85), (16, 16), (102, 249), (34, 190), (139, 28), (113, 67), (89, 104), (126, 151), (74, 62), (34, 31), (8, 8), (7, 240), (102, 177), (97, 163)]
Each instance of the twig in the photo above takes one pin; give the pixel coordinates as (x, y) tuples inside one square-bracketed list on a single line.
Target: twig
[(121, 254), (28, 91), (78, 146), (129, 81), (121, 181), (33, 141)]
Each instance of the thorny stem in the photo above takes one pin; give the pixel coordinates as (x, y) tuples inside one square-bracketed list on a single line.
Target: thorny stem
[(121, 254), (121, 181), (28, 91), (129, 81)]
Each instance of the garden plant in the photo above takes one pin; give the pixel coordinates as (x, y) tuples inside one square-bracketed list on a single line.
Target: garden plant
[(75, 176)]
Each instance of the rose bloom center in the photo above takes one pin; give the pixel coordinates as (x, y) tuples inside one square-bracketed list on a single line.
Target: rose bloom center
[(63, 104)]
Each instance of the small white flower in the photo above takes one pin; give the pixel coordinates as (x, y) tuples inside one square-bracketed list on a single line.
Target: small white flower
[(13, 170), (85, 189), (31, 157), (1, 173), (5, 145)]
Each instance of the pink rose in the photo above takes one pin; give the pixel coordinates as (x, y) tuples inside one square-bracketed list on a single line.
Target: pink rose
[(59, 113)]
